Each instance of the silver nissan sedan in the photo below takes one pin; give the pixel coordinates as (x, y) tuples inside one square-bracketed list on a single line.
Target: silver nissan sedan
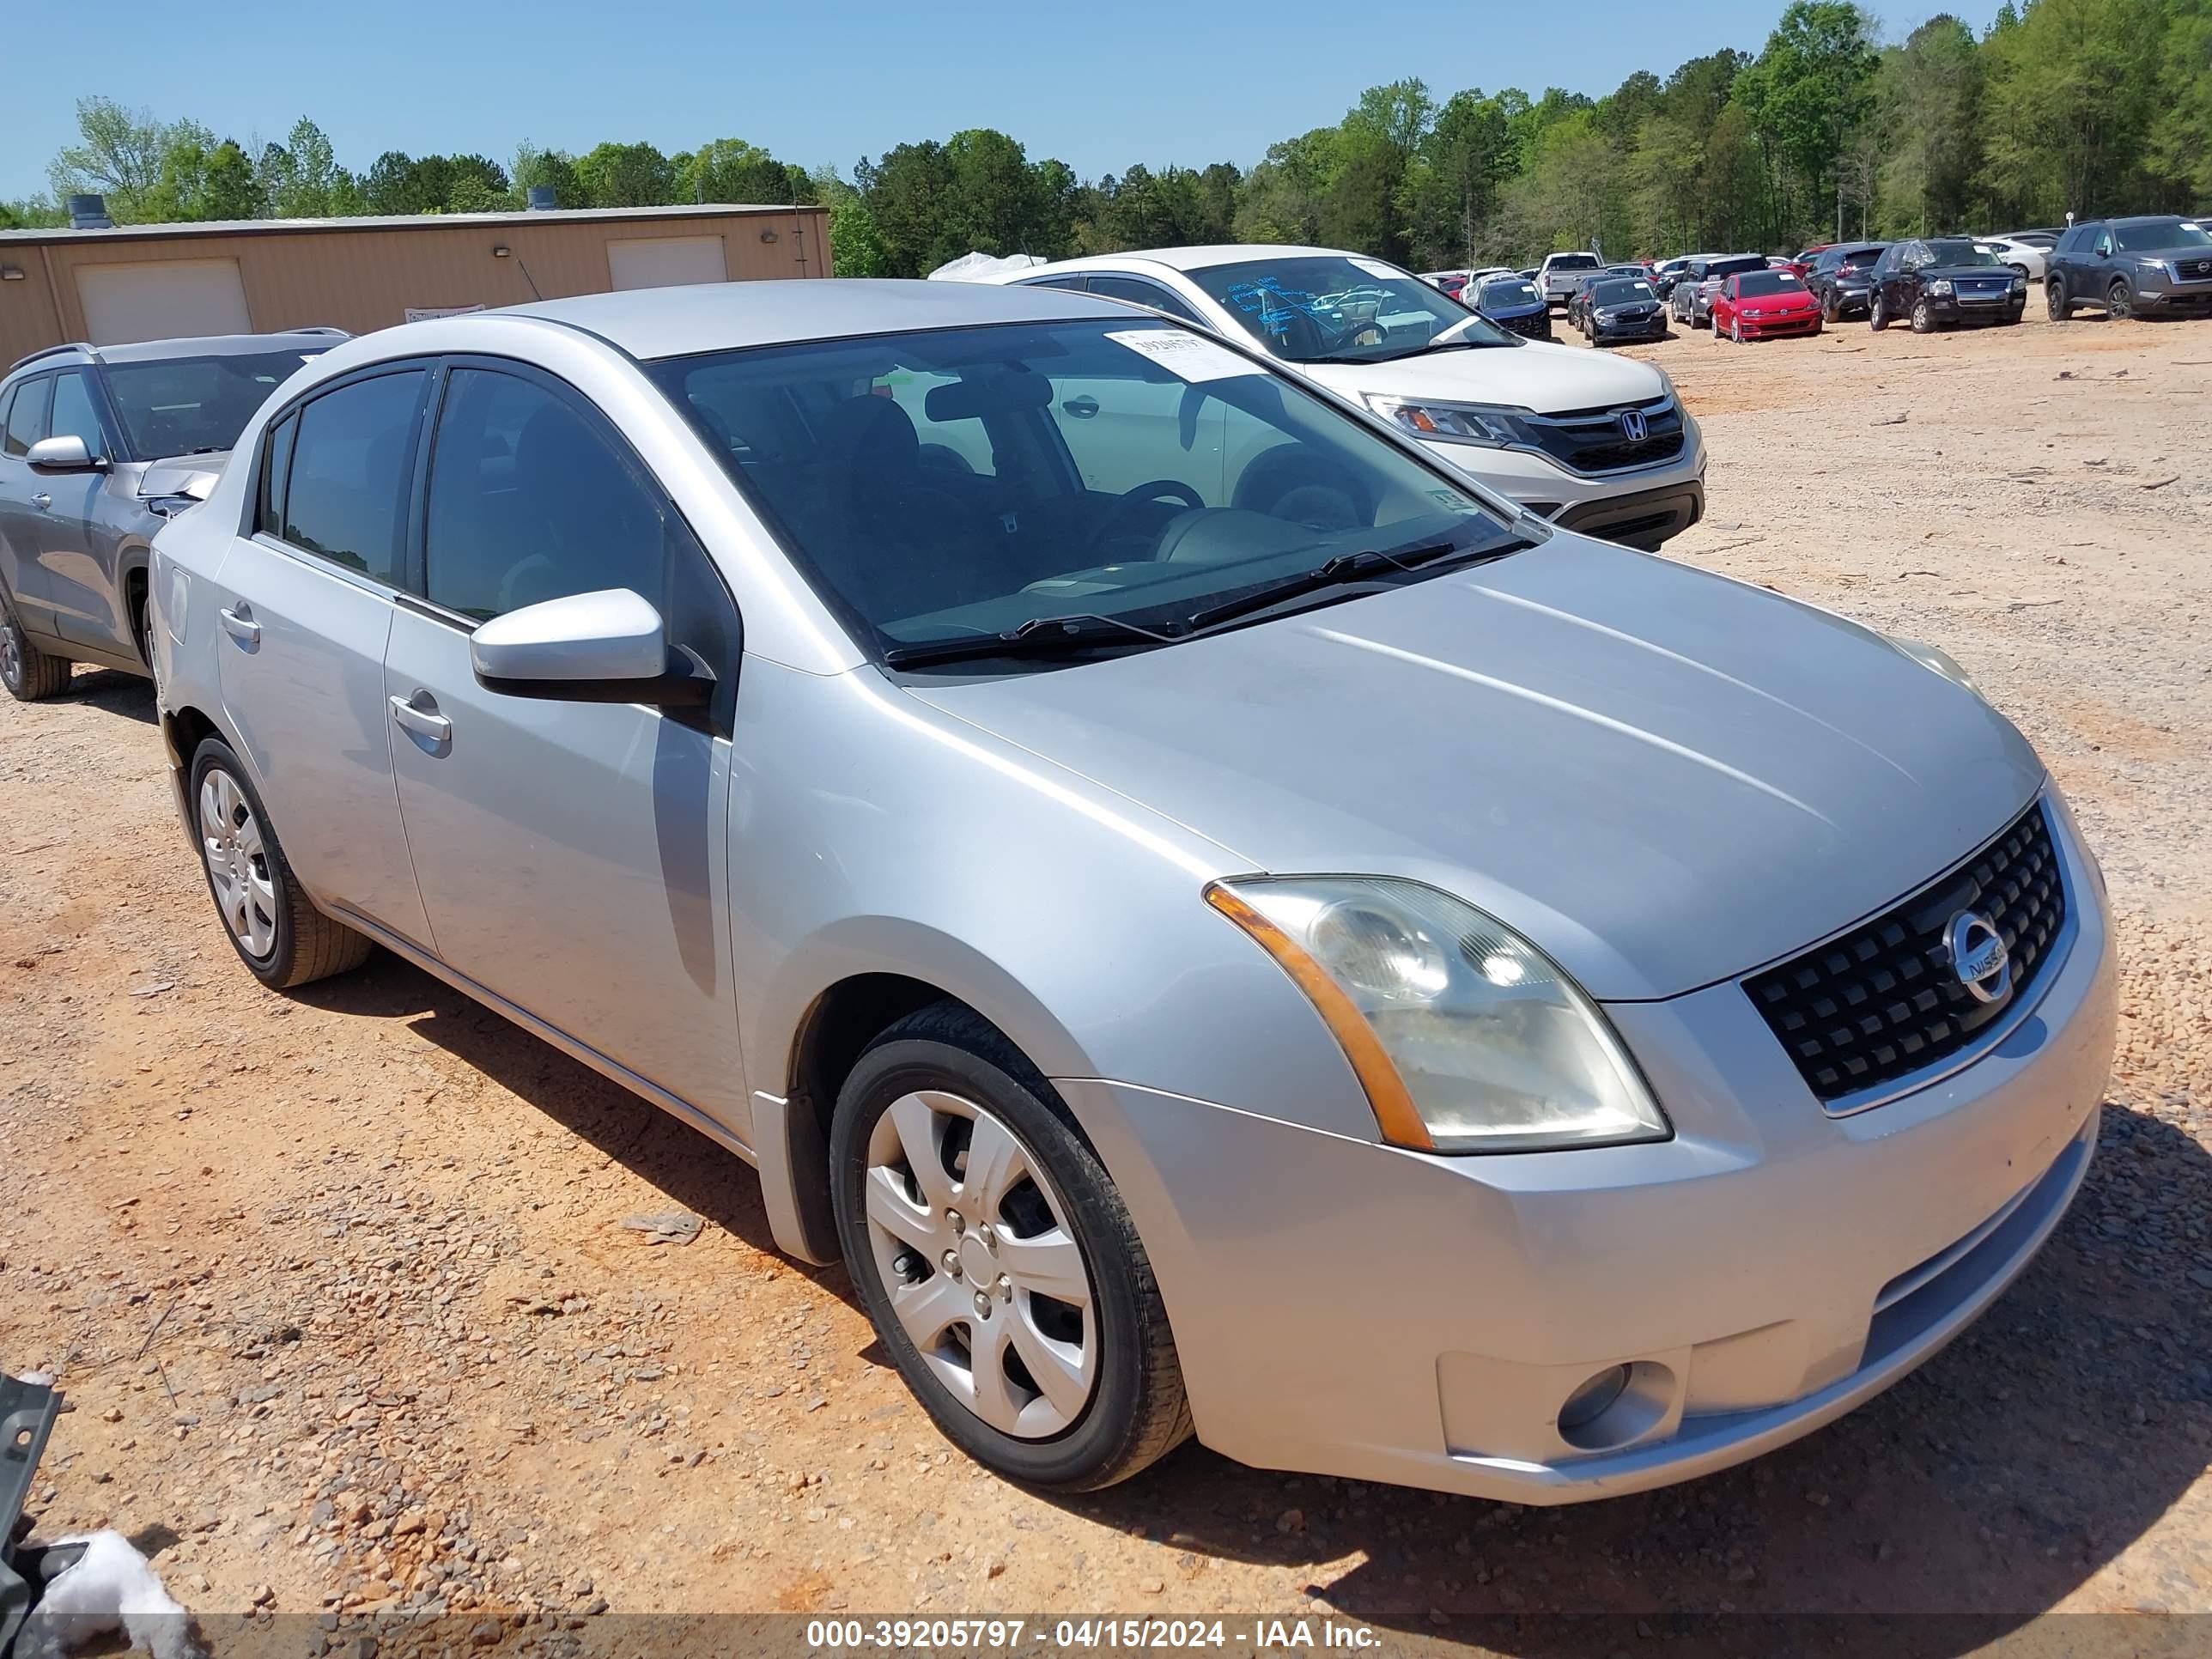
[(1221, 927)]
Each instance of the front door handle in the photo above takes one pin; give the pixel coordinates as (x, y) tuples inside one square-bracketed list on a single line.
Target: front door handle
[(421, 718), (241, 626), (1082, 408), (42, 501)]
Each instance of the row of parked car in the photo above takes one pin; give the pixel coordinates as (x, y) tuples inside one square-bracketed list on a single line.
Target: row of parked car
[(1076, 783)]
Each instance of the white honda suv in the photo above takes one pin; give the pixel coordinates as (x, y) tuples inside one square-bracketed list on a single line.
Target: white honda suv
[(1592, 442)]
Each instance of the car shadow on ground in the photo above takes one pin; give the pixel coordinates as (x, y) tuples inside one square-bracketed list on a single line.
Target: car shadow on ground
[(113, 691), (1981, 1491)]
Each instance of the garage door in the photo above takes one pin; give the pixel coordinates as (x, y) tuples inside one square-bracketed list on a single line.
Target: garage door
[(162, 300), (667, 261)]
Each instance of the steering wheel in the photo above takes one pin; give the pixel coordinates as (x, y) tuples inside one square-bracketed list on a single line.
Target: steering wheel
[(1158, 489)]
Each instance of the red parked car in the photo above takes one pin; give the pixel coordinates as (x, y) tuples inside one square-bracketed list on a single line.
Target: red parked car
[(1754, 305)]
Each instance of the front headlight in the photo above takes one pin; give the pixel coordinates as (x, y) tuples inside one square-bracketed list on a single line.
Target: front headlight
[(2019, 284), (1939, 661), (1607, 314), (1939, 285), (1466, 1037), (1456, 423)]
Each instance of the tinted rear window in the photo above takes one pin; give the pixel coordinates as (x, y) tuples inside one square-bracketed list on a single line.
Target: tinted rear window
[(1574, 262), (1741, 263)]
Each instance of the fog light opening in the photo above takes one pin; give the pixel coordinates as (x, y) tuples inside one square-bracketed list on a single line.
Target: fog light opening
[(1588, 1402), (1618, 1406)]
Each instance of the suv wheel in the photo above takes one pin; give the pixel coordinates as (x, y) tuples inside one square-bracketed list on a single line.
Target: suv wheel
[(2054, 300), (1923, 318), (2119, 300), (997, 1260), (1877, 313), (275, 927), (29, 673)]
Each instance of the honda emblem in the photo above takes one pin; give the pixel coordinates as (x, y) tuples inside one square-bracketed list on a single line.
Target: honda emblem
[(1633, 426)]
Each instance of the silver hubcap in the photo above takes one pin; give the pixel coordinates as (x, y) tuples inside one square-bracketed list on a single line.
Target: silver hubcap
[(238, 863), (11, 652), (971, 1240)]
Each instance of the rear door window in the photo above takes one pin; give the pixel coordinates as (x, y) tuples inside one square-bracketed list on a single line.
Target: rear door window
[(1143, 293), (352, 464)]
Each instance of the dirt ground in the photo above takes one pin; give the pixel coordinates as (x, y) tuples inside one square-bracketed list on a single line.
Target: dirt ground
[(339, 1286)]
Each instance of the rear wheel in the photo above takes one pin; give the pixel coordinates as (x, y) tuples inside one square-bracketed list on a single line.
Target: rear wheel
[(1828, 313), (274, 927), (997, 1260), (2119, 302), (2054, 300), (1877, 312), (29, 673)]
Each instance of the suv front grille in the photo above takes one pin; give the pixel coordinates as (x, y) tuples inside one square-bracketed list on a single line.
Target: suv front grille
[(2193, 270), (1594, 440), (1882, 1000)]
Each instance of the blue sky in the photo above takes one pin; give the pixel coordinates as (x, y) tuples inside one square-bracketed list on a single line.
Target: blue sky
[(1100, 87)]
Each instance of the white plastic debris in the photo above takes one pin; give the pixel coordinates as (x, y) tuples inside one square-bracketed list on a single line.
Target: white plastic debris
[(978, 267), (111, 1587)]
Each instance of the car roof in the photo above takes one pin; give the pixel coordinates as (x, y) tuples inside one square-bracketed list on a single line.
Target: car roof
[(1193, 258), (672, 322), (204, 345)]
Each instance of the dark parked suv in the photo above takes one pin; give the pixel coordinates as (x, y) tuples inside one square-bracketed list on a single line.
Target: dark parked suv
[(1939, 281), (2155, 265), (1842, 278), (99, 445)]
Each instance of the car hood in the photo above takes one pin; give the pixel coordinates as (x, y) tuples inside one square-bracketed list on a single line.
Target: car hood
[(184, 474), (1548, 379), (1663, 777)]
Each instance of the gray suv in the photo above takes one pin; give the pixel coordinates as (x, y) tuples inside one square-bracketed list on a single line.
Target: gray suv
[(2158, 264), (99, 445)]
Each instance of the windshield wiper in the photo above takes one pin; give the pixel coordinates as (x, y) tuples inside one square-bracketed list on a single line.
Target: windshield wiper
[(1040, 636), (1346, 570)]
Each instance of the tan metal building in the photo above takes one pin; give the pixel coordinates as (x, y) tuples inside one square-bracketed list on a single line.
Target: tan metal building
[(157, 282)]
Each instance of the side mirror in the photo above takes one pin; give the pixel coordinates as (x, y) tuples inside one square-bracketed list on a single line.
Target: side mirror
[(66, 454), (607, 647)]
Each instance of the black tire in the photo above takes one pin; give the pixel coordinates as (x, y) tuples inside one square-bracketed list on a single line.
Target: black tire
[(30, 674), (2056, 302), (2120, 301), (1137, 1412), (308, 945), (1924, 317), (1828, 312), (1877, 312)]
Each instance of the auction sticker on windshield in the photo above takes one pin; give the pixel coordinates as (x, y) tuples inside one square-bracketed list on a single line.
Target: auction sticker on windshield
[(1187, 357)]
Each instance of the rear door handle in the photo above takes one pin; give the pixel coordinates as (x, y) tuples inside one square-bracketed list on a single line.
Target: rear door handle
[(241, 626), (42, 501), (424, 721)]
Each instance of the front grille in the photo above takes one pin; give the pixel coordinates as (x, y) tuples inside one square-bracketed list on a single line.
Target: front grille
[(1537, 325), (1592, 440), (2194, 271), (1882, 1000)]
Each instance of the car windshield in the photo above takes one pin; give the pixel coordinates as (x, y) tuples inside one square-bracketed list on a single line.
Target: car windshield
[(1762, 283), (958, 485), (1504, 292), (195, 405), (1621, 291), (1338, 308), (2157, 235), (1962, 255)]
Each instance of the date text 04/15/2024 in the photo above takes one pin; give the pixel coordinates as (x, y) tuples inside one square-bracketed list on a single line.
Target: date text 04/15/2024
[(1262, 1635)]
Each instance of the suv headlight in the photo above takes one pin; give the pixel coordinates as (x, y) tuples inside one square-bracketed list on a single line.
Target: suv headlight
[(2019, 284), (1456, 423), (1939, 285), (1466, 1037)]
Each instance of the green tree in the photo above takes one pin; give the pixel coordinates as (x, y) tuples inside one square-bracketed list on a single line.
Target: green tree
[(1810, 89), (2077, 82), (909, 190), (625, 175), (731, 170), (119, 155), (1930, 91), (301, 178), (2181, 148)]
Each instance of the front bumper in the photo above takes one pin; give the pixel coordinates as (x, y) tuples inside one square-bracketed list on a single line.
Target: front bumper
[(1949, 308), (1584, 501), (1532, 324), (2153, 294), (1775, 328), (1346, 1307), (1644, 520), (1649, 328)]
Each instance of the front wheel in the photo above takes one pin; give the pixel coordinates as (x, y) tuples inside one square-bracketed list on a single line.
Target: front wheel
[(1736, 330), (2119, 302), (273, 925), (1878, 314), (997, 1260), (30, 675), (1923, 318)]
